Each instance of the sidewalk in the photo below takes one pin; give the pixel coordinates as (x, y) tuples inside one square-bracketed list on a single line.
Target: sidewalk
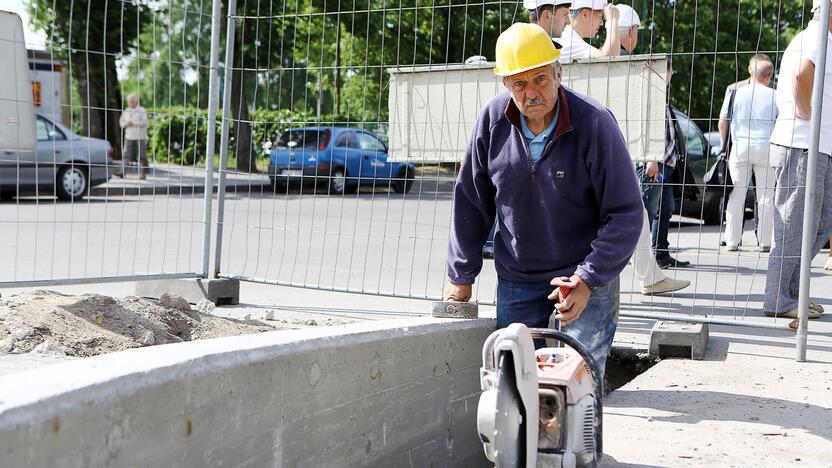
[(169, 179)]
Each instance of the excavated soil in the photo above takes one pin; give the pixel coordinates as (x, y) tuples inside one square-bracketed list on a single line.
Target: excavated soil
[(92, 324)]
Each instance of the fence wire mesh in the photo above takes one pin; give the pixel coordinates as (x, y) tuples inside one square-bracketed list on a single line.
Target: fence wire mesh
[(359, 114), (343, 127), (75, 209)]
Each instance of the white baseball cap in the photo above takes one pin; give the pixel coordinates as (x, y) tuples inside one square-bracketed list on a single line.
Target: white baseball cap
[(535, 4), (816, 4), (627, 17), (593, 4)]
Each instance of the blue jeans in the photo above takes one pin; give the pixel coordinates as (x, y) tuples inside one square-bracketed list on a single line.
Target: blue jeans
[(528, 303), (658, 200)]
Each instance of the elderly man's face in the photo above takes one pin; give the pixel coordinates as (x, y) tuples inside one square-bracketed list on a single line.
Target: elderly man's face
[(535, 92), (132, 102)]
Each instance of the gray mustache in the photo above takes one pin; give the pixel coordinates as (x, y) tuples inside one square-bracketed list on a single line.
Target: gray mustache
[(536, 101)]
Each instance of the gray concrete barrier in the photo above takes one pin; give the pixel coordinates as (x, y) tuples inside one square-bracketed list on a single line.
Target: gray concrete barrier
[(392, 393)]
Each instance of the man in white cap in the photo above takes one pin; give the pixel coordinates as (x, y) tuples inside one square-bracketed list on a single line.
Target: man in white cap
[(587, 18), (788, 155), (551, 15), (628, 26)]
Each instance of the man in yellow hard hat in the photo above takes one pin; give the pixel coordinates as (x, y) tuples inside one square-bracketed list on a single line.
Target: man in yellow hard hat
[(552, 166)]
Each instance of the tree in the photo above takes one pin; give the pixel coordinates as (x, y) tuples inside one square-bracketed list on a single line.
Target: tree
[(712, 41), (91, 36)]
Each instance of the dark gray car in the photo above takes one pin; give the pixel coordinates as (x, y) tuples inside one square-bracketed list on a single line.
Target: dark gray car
[(64, 165)]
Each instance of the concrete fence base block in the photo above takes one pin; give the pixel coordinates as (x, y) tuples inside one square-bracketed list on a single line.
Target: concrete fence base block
[(453, 309), (679, 339), (218, 291)]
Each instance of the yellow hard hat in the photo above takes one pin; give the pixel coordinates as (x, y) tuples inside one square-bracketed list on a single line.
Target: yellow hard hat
[(522, 47)]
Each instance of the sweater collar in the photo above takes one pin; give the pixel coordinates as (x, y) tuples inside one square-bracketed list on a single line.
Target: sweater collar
[(564, 121)]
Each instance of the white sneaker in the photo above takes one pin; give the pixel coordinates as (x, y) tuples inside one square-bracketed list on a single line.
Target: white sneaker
[(732, 248), (664, 286)]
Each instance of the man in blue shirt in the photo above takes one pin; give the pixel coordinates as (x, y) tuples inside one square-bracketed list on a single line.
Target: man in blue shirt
[(753, 113)]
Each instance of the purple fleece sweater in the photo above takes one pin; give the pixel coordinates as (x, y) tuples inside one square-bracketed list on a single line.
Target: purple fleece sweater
[(576, 211)]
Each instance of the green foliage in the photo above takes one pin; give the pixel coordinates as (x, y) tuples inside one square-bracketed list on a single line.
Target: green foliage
[(712, 41)]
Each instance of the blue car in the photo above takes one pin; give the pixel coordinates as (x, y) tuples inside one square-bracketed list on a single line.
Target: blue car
[(340, 158)]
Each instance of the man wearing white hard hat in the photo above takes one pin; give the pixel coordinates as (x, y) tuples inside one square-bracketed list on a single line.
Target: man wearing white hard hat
[(788, 155), (628, 26), (551, 15), (587, 18)]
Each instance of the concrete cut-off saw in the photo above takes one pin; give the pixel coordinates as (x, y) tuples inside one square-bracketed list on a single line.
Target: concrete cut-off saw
[(539, 408)]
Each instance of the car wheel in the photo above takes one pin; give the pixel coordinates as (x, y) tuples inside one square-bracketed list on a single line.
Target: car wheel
[(72, 182), (713, 207), (404, 180), (337, 183)]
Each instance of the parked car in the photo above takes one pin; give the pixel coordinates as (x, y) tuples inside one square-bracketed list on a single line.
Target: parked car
[(63, 164), (697, 154), (341, 158)]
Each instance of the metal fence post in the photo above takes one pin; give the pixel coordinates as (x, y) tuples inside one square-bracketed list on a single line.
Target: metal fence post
[(226, 110), (213, 101), (809, 228)]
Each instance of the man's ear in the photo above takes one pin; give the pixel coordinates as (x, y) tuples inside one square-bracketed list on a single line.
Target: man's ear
[(558, 71)]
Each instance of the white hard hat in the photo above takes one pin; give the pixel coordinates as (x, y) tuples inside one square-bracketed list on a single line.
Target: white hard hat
[(627, 17), (816, 4), (535, 4), (593, 4)]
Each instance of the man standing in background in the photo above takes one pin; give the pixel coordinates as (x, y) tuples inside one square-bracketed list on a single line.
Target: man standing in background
[(628, 26), (788, 156), (587, 18), (134, 122), (753, 112)]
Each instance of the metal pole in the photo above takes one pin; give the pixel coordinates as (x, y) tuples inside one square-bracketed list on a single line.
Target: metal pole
[(226, 110), (809, 226), (213, 101)]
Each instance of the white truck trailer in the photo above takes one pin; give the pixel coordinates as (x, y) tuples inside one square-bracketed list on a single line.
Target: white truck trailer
[(17, 114), (433, 108)]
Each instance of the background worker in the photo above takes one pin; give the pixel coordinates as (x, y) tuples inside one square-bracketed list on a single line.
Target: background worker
[(552, 166), (789, 152), (587, 18), (753, 112), (551, 15), (645, 266), (629, 25)]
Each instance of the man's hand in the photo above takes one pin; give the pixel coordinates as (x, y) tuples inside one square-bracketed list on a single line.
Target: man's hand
[(652, 171), (457, 292), (611, 12), (571, 307), (128, 123)]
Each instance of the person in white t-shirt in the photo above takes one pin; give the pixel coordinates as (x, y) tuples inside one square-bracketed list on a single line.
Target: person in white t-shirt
[(134, 122), (551, 15), (753, 113), (587, 18), (788, 155)]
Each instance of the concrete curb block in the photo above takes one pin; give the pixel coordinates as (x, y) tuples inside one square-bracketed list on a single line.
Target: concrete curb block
[(383, 393)]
